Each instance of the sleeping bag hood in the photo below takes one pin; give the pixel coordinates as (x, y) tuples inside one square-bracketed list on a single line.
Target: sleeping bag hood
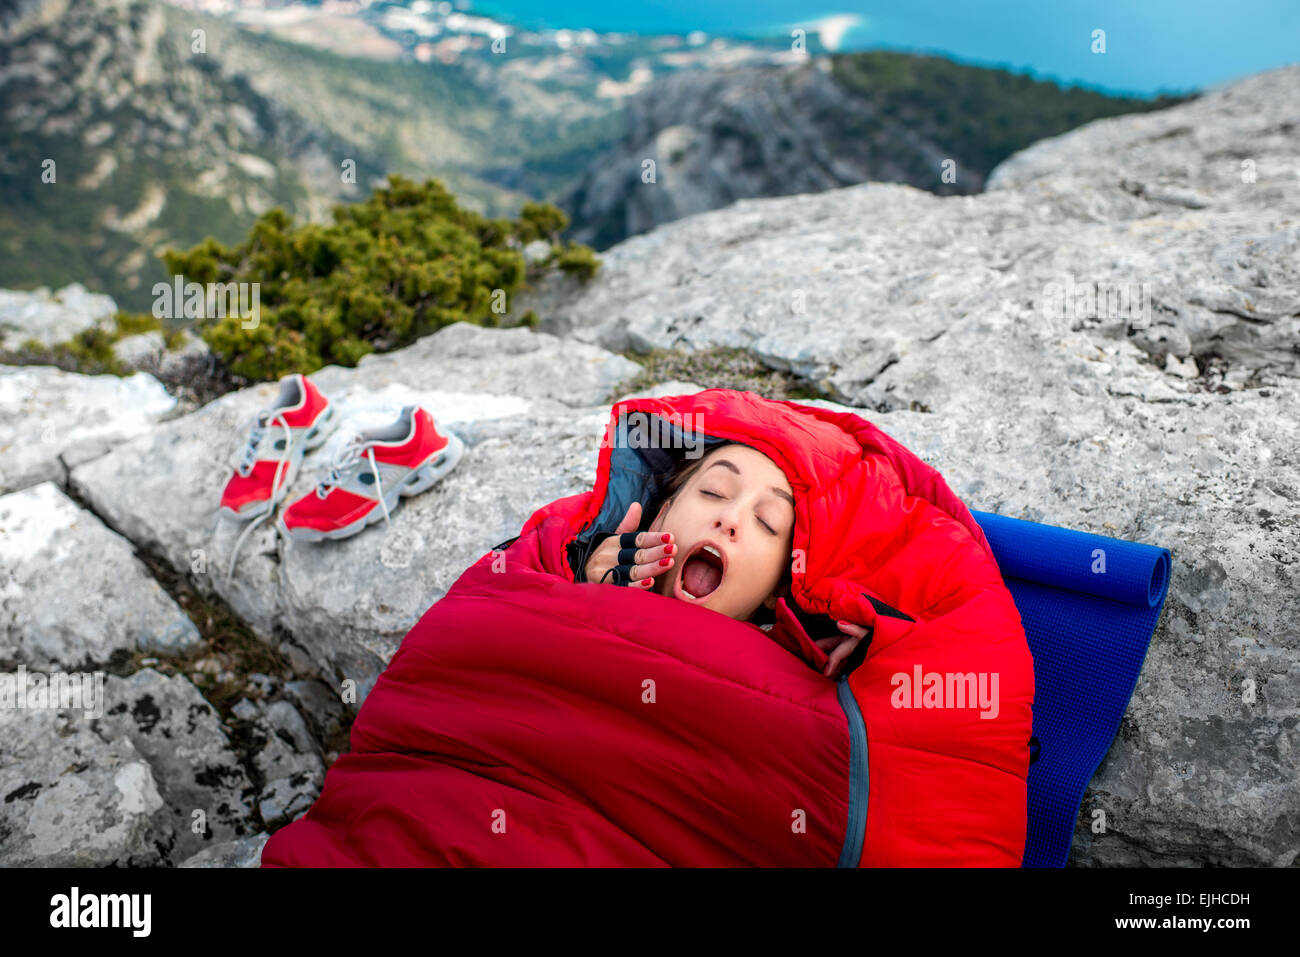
[(533, 718)]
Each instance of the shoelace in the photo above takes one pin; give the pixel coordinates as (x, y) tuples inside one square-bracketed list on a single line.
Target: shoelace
[(260, 426), (348, 456)]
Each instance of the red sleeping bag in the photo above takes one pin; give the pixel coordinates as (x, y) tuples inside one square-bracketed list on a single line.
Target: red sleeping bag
[(528, 719)]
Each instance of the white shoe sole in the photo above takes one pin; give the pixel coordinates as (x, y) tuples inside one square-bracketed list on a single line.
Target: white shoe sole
[(418, 480)]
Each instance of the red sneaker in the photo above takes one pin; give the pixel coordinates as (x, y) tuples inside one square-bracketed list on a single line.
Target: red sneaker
[(370, 475), (300, 420)]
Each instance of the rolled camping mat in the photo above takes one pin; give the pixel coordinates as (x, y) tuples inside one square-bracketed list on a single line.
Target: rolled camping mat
[(1089, 605)]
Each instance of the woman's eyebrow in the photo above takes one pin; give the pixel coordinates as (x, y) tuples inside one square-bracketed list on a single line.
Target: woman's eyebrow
[(779, 491)]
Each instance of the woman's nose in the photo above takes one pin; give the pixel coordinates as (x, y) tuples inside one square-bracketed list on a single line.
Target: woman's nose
[(727, 522)]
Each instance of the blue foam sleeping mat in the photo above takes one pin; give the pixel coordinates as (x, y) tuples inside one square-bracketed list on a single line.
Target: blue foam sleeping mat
[(1089, 605)]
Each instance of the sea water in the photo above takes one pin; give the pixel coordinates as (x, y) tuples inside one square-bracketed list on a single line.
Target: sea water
[(1150, 47)]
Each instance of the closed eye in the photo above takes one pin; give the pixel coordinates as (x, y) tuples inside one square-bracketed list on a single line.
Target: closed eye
[(760, 521)]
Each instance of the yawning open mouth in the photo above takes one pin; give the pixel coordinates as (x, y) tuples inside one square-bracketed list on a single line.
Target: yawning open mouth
[(702, 571)]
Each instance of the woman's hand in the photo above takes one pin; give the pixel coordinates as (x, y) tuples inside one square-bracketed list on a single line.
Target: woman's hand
[(839, 647), (653, 556)]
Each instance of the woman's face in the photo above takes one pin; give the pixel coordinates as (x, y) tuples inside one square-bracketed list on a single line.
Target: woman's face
[(738, 502)]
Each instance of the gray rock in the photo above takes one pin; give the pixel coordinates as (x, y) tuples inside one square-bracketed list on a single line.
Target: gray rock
[(140, 351), (523, 403), (466, 358), (60, 611), (51, 420), (198, 774), (192, 354), (74, 799), (299, 661), (536, 251), (937, 319), (51, 318), (148, 352), (243, 852), (321, 707), (263, 684), (658, 391), (1192, 156), (863, 289), (285, 798), (286, 755), (290, 763)]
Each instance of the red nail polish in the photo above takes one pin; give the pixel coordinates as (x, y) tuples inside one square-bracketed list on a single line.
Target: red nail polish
[(667, 538), (664, 561), (670, 549)]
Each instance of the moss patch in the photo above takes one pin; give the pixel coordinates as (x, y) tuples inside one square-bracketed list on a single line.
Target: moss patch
[(89, 352), (719, 367)]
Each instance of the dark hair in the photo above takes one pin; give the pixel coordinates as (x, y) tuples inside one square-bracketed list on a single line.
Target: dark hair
[(677, 479)]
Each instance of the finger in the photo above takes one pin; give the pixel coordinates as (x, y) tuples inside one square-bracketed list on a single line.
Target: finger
[(826, 644), (650, 553), (623, 575), (654, 568), (655, 539), (837, 658), (639, 578), (857, 631), (630, 520), (646, 555)]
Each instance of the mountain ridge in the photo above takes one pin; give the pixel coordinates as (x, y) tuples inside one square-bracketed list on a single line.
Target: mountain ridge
[(156, 145)]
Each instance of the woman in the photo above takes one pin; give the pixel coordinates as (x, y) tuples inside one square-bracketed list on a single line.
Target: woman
[(734, 510)]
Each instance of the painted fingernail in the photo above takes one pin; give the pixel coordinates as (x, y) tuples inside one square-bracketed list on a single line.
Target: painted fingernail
[(669, 549), (667, 538), (665, 561)]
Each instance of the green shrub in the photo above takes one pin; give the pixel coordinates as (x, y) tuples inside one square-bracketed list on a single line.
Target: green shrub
[(577, 260), (174, 338), (541, 221), (398, 266), (89, 352), (135, 323)]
